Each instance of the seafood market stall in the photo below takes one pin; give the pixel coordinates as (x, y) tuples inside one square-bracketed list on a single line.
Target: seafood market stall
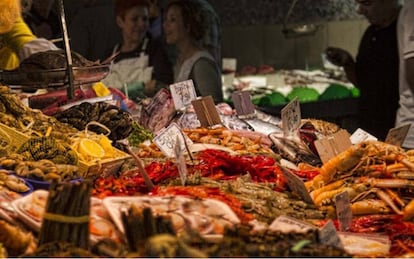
[(71, 187)]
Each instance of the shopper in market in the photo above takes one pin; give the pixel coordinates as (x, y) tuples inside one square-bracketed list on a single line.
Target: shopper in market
[(405, 29), (17, 41), (138, 53), (375, 70), (185, 25)]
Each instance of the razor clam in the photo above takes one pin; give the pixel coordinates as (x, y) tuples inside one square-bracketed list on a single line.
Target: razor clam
[(293, 150)]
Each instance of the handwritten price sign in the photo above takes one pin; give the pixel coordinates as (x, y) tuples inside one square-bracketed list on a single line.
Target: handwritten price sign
[(291, 117), (183, 93), (166, 140)]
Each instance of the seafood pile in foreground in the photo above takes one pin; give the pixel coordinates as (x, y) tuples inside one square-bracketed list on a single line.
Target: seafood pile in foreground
[(377, 177)]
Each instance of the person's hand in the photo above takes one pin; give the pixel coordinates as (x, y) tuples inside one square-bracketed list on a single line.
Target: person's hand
[(339, 57)]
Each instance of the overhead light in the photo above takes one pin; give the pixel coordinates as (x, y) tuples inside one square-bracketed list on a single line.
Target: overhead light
[(299, 30)]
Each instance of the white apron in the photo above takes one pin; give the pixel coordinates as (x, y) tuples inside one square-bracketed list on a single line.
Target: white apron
[(130, 70)]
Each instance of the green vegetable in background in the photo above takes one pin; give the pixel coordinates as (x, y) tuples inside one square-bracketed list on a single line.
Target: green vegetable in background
[(139, 134), (335, 91), (304, 94), (272, 99)]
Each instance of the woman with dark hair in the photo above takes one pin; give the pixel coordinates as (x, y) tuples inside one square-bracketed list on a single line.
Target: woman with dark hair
[(185, 26), (141, 63)]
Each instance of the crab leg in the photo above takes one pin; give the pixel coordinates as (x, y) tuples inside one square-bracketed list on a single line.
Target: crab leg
[(391, 183), (388, 200)]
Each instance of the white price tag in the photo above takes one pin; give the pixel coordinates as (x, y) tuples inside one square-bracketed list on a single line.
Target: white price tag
[(291, 117), (183, 93), (361, 135), (166, 140), (286, 224)]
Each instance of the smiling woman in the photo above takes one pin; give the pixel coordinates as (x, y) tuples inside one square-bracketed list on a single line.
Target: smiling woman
[(185, 25), (141, 58)]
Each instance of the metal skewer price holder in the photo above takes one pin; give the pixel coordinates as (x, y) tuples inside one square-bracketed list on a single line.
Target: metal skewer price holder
[(68, 53)]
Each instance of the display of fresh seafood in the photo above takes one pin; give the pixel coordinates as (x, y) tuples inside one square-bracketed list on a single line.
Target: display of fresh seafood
[(118, 122), (262, 200), (38, 148), (14, 113), (376, 175)]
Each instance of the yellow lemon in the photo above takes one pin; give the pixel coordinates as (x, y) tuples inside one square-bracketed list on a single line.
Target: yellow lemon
[(106, 143), (91, 148)]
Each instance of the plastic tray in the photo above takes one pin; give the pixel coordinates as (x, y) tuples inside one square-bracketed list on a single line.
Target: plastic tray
[(208, 210)]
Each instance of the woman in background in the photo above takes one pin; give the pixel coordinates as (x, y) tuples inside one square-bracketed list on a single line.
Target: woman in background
[(139, 49), (185, 25)]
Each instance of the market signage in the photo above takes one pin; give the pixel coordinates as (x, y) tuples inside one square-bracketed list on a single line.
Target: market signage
[(396, 136), (206, 111), (343, 210), (243, 104), (291, 117), (296, 185), (166, 140), (333, 145), (183, 93)]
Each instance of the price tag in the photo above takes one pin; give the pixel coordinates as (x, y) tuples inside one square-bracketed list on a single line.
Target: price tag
[(291, 117), (183, 93), (296, 185), (243, 103), (179, 156), (331, 146), (396, 136), (286, 224), (329, 236), (166, 140), (360, 135), (343, 210), (229, 65), (206, 111)]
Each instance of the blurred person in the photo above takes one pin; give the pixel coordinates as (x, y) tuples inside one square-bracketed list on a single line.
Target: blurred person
[(212, 38), (41, 18), (138, 50), (405, 30), (92, 29), (17, 41), (375, 70), (185, 25)]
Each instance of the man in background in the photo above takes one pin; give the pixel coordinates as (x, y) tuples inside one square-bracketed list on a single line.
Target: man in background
[(375, 70), (405, 30)]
